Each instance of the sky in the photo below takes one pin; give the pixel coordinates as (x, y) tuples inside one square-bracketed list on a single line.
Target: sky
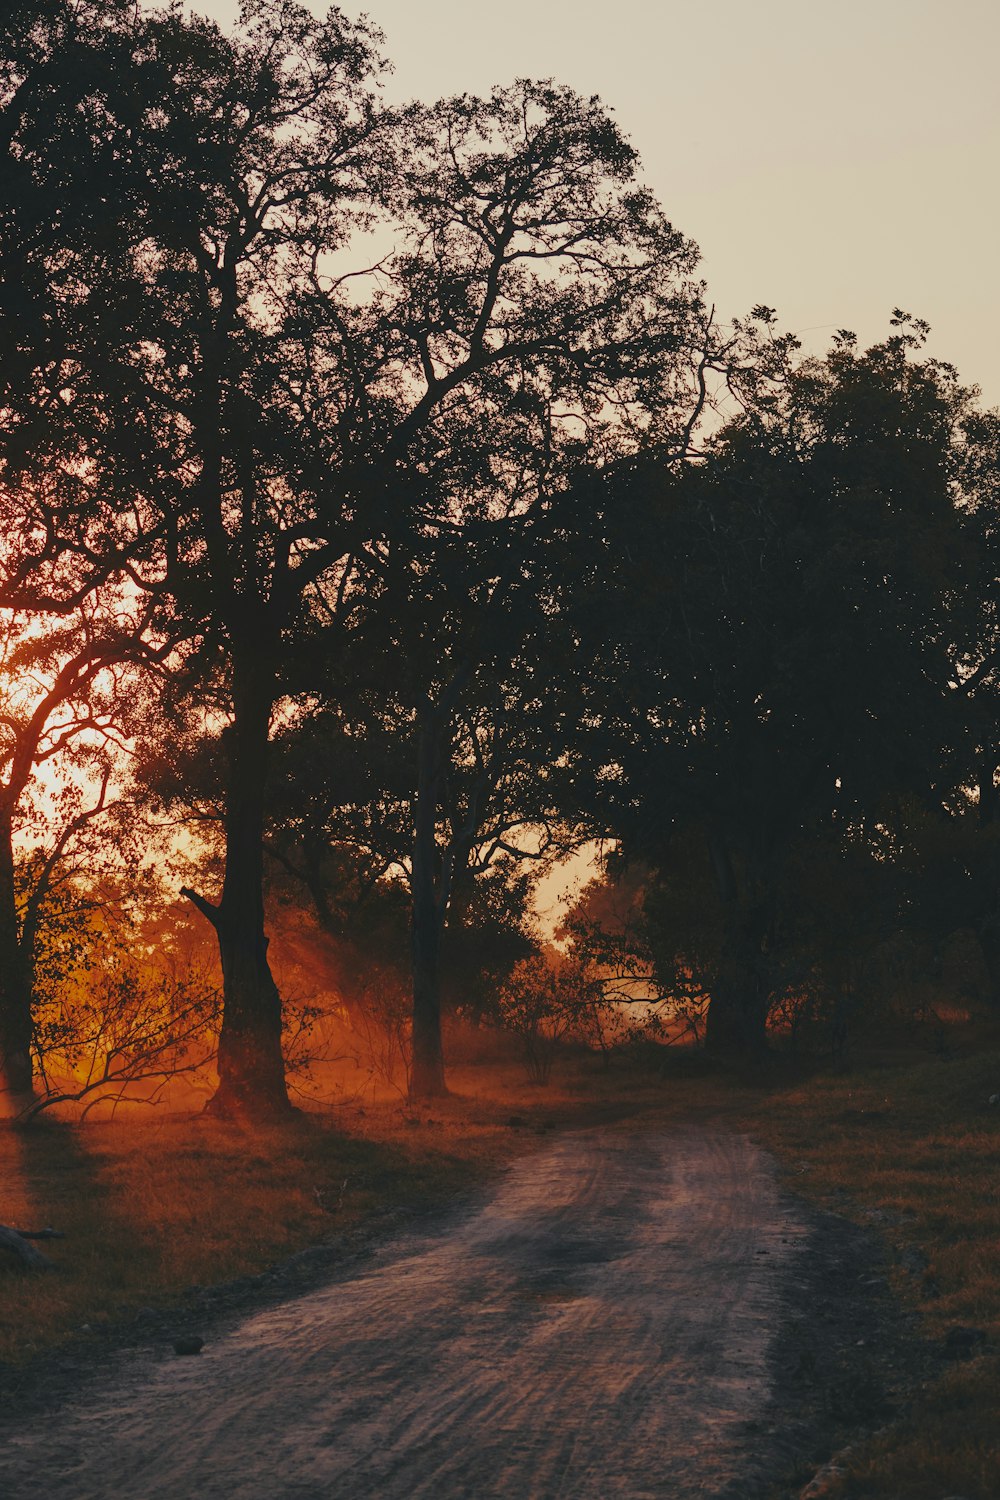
[(832, 160)]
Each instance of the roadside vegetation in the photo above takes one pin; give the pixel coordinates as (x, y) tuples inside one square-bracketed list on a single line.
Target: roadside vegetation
[(368, 584), (152, 1207), (902, 1139), (906, 1142)]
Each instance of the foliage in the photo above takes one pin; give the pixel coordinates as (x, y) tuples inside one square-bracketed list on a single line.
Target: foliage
[(647, 940), (547, 1000), (772, 669), (382, 1022), (444, 559), (115, 1019)]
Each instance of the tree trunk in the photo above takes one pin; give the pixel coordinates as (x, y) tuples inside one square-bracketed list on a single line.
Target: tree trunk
[(15, 985), (251, 1062), (736, 1023), (987, 928), (427, 1077)]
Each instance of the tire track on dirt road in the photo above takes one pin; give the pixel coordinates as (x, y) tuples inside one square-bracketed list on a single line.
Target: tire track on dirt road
[(600, 1327)]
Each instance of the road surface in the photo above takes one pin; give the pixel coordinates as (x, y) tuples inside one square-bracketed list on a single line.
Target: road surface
[(601, 1327)]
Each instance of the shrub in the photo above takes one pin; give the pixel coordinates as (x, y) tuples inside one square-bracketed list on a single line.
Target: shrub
[(546, 1001)]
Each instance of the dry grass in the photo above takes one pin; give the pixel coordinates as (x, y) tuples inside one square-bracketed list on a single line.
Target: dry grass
[(152, 1208), (910, 1144)]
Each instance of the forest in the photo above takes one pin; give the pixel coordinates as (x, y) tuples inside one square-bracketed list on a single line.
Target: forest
[(390, 517)]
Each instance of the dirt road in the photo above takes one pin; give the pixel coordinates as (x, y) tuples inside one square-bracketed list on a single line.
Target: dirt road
[(600, 1327)]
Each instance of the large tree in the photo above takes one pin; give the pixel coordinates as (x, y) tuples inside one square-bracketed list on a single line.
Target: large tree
[(295, 396), (68, 624), (436, 759), (246, 158), (778, 624)]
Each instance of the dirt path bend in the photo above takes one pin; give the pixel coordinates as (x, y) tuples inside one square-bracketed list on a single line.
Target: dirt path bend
[(600, 1327)]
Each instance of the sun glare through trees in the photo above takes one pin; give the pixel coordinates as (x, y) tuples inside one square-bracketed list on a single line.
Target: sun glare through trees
[(386, 516), (391, 576)]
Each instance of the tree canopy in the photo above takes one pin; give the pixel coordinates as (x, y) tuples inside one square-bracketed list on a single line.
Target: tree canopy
[(401, 456)]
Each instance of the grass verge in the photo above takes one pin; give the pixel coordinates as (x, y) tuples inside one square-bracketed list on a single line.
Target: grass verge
[(910, 1145), (151, 1209)]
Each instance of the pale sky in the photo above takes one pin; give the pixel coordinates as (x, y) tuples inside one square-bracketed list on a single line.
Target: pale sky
[(832, 158)]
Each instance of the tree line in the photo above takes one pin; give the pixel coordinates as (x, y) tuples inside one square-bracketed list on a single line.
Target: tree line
[(381, 481)]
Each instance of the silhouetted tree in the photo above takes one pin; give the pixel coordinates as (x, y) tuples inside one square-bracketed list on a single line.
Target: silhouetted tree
[(539, 312), (440, 768), (65, 705), (779, 619), (292, 402), (968, 847), (248, 150), (68, 626)]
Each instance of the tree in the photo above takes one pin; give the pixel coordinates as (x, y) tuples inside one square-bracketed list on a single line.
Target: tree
[(968, 860), (779, 648), (64, 708), (541, 312), (243, 164), (69, 632), (64, 81), (548, 999), (440, 768), (291, 402)]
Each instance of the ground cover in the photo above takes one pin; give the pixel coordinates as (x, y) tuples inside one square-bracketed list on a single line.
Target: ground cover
[(908, 1143), (148, 1209)]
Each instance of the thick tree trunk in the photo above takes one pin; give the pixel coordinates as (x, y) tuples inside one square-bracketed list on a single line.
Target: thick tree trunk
[(15, 986), (736, 1023), (251, 1063), (427, 1076)]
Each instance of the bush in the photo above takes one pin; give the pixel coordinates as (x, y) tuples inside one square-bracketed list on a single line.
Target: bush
[(548, 1000)]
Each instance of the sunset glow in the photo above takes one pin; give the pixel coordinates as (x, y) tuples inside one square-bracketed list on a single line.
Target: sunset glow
[(499, 751)]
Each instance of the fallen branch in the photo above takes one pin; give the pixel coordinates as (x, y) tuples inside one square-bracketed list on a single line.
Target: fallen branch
[(19, 1242)]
